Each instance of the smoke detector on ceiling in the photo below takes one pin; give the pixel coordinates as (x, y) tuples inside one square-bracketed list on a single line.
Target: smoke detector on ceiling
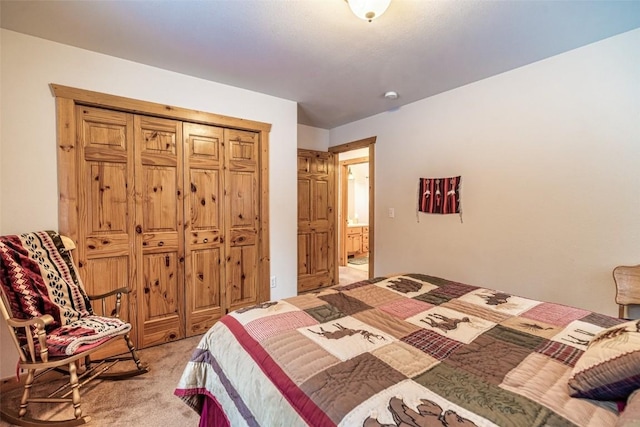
[(391, 95)]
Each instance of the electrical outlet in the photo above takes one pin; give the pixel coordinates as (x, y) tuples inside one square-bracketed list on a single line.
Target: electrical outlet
[(274, 281), (392, 213)]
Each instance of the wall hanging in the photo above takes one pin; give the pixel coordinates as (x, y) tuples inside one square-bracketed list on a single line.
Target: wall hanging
[(439, 196)]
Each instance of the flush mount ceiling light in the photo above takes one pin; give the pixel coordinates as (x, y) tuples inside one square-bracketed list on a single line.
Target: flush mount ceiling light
[(391, 95), (368, 9)]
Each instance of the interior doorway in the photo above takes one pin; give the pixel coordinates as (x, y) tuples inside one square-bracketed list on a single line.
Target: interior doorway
[(355, 214)]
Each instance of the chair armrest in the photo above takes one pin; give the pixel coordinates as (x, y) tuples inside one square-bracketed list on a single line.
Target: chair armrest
[(44, 320), (123, 290), (118, 293), (40, 323)]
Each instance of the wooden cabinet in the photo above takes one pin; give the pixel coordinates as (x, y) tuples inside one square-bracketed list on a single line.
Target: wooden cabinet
[(172, 209), (354, 240), (365, 239), (357, 239)]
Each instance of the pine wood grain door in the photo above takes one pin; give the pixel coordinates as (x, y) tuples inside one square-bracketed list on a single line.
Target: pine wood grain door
[(159, 231), (316, 220), (242, 217), (177, 212), (105, 206), (203, 207)]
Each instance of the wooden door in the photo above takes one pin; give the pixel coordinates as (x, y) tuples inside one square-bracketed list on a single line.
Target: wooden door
[(122, 182), (204, 208), (316, 220), (105, 206), (159, 230), (242, 218)]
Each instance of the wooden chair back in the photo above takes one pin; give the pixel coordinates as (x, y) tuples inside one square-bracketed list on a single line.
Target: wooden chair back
[(627, 279)]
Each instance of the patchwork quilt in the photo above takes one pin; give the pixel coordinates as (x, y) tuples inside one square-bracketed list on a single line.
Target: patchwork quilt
[(38, 277), (408, 350)]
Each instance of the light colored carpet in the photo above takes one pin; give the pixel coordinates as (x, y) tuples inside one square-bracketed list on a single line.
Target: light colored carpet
[(350, 275), (143, 401)]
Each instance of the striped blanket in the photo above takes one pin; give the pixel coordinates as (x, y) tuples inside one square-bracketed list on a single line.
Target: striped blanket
[(410, 350), (38, 277)]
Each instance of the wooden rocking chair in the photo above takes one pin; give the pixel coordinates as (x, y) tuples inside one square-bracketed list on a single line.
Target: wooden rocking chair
[(52, 323)]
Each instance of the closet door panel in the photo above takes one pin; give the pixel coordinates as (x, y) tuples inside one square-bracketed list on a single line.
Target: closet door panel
[(105, 135), (103, 274), (159, 229), (108, 208), (160, 210), (205, 199), (160, 301), (206, 275), (241, 218), (243, 201), (204, 239), (105, 205), (242, 268), (105, 208)]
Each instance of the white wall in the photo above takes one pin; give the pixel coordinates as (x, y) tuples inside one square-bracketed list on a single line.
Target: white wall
[(550, 161), (312, 138), (28, 196)]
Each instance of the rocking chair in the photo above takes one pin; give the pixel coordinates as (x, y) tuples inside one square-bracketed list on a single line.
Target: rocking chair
[(52, 323)]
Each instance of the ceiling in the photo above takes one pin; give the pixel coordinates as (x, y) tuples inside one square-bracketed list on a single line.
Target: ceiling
[(317, 53)]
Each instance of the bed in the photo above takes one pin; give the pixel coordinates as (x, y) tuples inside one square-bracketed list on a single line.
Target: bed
[(413, 350)]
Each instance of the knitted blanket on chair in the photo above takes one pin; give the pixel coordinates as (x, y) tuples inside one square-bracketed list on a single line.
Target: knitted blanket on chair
[(38, 277)]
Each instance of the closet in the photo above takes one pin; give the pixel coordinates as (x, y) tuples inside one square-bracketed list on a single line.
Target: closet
[(168, 202)]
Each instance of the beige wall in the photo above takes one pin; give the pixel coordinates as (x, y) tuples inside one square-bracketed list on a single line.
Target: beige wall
[(312, 138), (550, 161), (28, 196)]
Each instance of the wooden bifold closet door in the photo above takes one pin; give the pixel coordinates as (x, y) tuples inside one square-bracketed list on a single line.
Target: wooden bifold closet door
[(221, 172), (159, 243), (168, 208), (131, 216)]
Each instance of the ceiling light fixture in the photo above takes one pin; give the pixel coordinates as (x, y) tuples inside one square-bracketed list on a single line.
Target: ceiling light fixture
[(368, 9), (391, 95)]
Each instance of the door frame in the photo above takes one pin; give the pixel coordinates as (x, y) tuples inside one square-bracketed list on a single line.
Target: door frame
[(344, 208), (350, 146)]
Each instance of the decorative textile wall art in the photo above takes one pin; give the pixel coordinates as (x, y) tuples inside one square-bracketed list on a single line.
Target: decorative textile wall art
[(439, 195)]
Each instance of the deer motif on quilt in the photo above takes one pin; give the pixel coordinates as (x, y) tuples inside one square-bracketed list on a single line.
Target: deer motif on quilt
[(342, 332), (444, 323), (428, 414)]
